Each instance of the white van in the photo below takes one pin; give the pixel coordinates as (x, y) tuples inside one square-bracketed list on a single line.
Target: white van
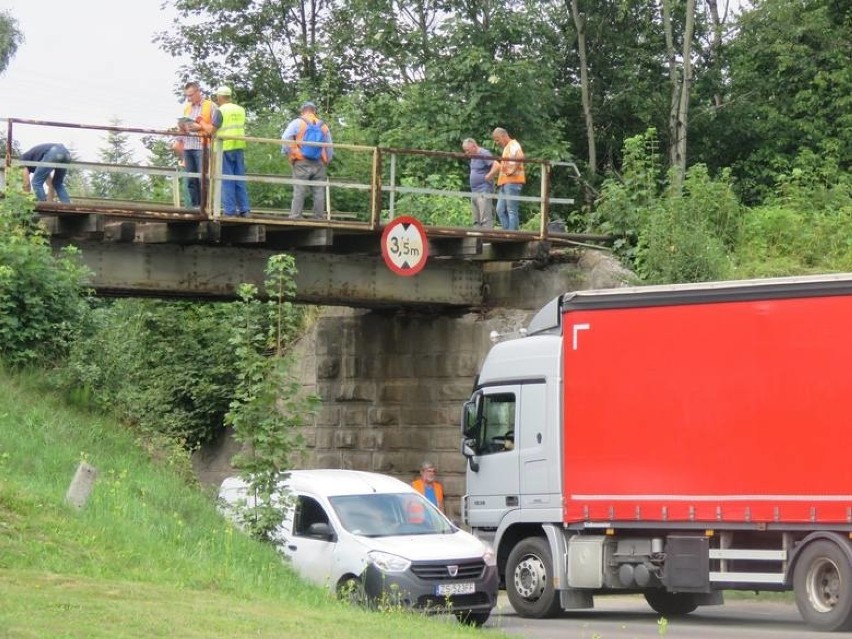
[(368, 533)]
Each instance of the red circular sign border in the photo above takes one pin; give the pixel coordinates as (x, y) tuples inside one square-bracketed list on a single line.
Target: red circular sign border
[(397, 221)]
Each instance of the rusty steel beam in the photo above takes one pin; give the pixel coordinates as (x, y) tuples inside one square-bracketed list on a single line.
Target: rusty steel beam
[(215, 272)]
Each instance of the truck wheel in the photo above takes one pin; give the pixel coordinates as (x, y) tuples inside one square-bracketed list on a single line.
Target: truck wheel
[(671, 604), (822, 583), (529, 583)]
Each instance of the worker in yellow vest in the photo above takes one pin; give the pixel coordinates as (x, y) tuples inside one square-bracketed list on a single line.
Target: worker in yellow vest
[(200, 120), (428, 486), (235, 200)]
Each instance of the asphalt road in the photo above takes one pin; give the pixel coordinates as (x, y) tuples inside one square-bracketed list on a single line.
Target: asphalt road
[(629, 617)]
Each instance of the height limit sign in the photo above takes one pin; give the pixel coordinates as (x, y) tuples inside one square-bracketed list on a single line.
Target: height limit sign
[(404, 246)]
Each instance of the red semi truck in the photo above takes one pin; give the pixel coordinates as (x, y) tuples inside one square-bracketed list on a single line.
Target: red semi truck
[(674, 441)]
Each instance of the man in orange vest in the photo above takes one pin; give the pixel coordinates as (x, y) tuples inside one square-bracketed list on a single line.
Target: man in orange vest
[(309, 161), (200, 118), (510, 179), (428, 486)]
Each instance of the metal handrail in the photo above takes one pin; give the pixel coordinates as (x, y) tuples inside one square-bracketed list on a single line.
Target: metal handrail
[(212, 178)]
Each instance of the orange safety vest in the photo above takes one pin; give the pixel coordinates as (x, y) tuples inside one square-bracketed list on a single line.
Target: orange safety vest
[(512, 151), (436, 485), (296, 152), (206, 116)]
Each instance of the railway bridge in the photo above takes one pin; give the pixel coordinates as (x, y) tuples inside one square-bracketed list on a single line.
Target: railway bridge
[(156, 246)]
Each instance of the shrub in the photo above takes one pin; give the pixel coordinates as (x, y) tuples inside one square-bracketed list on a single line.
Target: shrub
[(42, 295)]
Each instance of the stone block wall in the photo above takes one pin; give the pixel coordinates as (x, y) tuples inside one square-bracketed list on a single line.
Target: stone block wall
[(392, 388)]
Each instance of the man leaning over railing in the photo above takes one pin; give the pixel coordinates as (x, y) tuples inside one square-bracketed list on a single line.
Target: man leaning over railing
[(50, 152)]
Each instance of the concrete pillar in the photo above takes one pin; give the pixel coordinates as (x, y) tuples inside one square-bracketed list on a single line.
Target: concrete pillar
[(81, 486)]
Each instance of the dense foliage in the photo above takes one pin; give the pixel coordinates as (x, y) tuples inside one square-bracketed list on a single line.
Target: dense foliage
[(42, 301), (166, 367), (703, 232)]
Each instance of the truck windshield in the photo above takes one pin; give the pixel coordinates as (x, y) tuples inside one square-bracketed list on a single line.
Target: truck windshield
[(390, 514)]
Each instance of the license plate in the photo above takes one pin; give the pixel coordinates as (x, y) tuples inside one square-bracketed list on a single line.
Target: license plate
[(447, 590)]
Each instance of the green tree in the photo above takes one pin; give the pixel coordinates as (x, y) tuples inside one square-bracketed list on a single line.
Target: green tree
[(269, 407), (11, 38), (271, 51), (160, 154), (791, 89), (114, 185)]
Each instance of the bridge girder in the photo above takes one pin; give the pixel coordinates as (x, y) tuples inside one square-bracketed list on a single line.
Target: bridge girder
[(216, 271)]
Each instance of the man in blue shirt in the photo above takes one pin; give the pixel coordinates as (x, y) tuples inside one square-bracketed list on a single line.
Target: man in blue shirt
[(481, 189), (305, 167), (52, 153)]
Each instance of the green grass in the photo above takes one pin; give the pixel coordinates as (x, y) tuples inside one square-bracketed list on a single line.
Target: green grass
[(148, 556)]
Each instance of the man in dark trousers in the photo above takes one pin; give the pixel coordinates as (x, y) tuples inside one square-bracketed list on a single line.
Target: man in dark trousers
[(48, 152)]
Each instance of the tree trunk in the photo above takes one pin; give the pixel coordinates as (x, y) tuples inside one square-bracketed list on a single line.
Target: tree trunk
[(674, 84), (715, 56), (585, 92), (685, 92), (681, 88)]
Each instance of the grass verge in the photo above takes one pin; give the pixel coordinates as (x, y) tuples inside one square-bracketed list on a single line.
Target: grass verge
[(148, 556)]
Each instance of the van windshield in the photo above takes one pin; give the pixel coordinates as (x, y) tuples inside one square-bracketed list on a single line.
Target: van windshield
[(390, 514)]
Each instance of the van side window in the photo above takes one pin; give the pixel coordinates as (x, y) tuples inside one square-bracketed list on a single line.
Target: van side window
[(498, 423), (308, 511)]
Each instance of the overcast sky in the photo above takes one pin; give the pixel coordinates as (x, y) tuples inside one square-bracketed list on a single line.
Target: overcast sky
[(88, 61)]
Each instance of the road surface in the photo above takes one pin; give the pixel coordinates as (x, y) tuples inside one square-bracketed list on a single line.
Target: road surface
[(629, 617)]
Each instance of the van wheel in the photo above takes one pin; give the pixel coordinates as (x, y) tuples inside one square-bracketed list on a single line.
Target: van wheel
[(529, 583), (822, 583), (470, 618), (671, 604), (351, 590)]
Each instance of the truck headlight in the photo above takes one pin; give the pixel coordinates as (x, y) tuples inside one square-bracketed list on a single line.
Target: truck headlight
[(386, 562), (489, 557)]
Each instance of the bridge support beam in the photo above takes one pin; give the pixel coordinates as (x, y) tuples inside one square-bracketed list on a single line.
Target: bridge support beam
[(215, 272)]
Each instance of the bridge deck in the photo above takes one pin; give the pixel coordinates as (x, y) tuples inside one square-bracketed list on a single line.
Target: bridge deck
[(158, 247)]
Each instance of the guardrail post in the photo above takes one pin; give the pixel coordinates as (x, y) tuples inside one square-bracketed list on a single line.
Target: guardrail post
[(545, 199), (204, 181), (216, 177), (392, 203), (376, 187), (9, 144)]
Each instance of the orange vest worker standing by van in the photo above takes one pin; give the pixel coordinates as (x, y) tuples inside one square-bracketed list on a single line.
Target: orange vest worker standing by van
[(428, 486)]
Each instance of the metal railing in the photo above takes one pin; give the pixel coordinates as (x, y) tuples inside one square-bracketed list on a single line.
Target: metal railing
[(382, 185)]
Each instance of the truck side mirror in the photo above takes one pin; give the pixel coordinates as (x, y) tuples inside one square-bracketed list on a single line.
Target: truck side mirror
[(467, 451)]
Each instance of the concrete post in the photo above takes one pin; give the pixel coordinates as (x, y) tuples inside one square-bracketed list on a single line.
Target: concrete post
[(81, 486)]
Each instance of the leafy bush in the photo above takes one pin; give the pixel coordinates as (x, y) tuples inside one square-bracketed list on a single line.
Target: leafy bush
[(166, 367), (668, 237), (42, 295), (806, 224)]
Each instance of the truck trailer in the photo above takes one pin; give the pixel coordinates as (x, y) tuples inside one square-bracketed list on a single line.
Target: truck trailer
[(674, 441)]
